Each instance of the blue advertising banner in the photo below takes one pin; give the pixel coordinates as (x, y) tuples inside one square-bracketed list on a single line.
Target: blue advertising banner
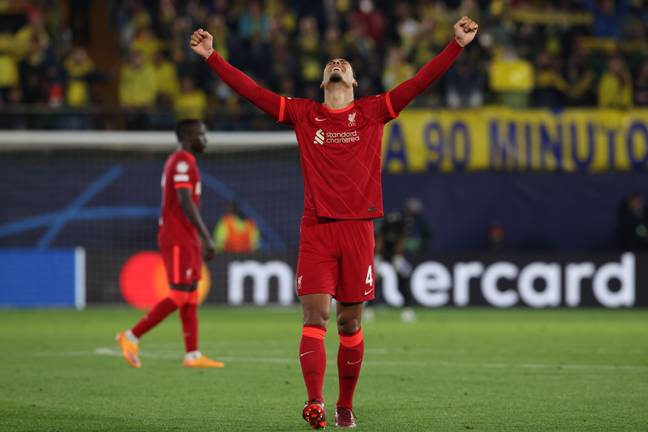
[(34, 278)]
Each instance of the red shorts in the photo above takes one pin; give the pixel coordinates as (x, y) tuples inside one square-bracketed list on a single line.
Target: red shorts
[(182, 261), (336, 257)]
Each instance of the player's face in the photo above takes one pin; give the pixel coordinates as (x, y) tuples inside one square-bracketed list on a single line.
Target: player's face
[(198, 138), (338, 71)]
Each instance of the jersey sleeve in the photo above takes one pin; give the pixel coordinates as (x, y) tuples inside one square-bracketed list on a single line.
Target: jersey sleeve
[(183, 173), (293, 110), (405, 92), (263, 98), (379, 107)]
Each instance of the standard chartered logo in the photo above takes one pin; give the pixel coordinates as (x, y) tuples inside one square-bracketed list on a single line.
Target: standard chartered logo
[(322, 137), (319, 137)]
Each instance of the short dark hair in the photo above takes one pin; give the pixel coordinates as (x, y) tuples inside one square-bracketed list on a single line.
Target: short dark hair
[(183, 128)]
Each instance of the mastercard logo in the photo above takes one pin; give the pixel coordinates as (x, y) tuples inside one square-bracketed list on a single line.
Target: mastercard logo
[(143, 280)]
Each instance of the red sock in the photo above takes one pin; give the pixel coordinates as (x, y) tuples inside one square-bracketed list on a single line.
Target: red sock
[(312, 357), (349, 363), (189, 326), (155, 315)]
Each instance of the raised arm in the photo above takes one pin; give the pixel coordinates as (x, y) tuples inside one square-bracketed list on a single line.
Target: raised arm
[(264, 99), (465, 30)]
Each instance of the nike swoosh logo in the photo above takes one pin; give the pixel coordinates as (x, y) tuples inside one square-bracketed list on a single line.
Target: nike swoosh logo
[(306, 353), (353, 363), (319, 119), (368, 292)]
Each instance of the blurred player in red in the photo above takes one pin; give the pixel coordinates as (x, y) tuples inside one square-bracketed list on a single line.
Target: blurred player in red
[(340, 147), (181, 238)]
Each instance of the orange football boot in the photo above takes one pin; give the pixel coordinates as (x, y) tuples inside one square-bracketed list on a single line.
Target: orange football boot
[(203, 362), (129, 349)]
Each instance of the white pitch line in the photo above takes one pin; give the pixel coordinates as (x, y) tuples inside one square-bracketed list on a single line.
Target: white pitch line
[(563, 366), (112, 352), (176, 355)]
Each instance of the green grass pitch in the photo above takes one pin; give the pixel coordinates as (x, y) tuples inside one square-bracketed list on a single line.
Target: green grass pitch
[(452, 370)]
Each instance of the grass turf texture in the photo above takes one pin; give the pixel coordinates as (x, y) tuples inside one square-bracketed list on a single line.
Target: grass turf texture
[(452, 370)]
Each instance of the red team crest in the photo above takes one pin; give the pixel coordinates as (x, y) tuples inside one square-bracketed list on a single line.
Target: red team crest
[(351, 119)]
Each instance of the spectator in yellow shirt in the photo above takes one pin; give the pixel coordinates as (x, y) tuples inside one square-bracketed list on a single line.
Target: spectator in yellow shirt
[(137, 84), (30, 34), (190, 103), (137, 91), (166, 77), (511, 78), (615, 87), (396, 68), (284, 17), (147, 43), (9, 77), (308, 44), (78, 67)]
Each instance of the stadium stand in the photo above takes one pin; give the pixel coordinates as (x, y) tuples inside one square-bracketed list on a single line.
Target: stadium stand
[(63, 65)]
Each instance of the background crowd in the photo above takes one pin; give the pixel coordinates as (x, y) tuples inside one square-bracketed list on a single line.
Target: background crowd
[(126, 64)]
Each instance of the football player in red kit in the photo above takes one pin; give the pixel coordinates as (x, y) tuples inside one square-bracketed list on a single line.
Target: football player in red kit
[(340, 147), (183, 241)]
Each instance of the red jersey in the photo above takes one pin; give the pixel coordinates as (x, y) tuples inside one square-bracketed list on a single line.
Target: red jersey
[(340, 155), (180, 171), (340, 149)]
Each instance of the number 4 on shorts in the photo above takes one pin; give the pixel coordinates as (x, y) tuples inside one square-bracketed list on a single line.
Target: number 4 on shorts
[(369, 280)]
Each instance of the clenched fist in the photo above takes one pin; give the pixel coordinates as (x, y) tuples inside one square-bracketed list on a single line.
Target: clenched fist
[(465, 30), (202, 43)]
